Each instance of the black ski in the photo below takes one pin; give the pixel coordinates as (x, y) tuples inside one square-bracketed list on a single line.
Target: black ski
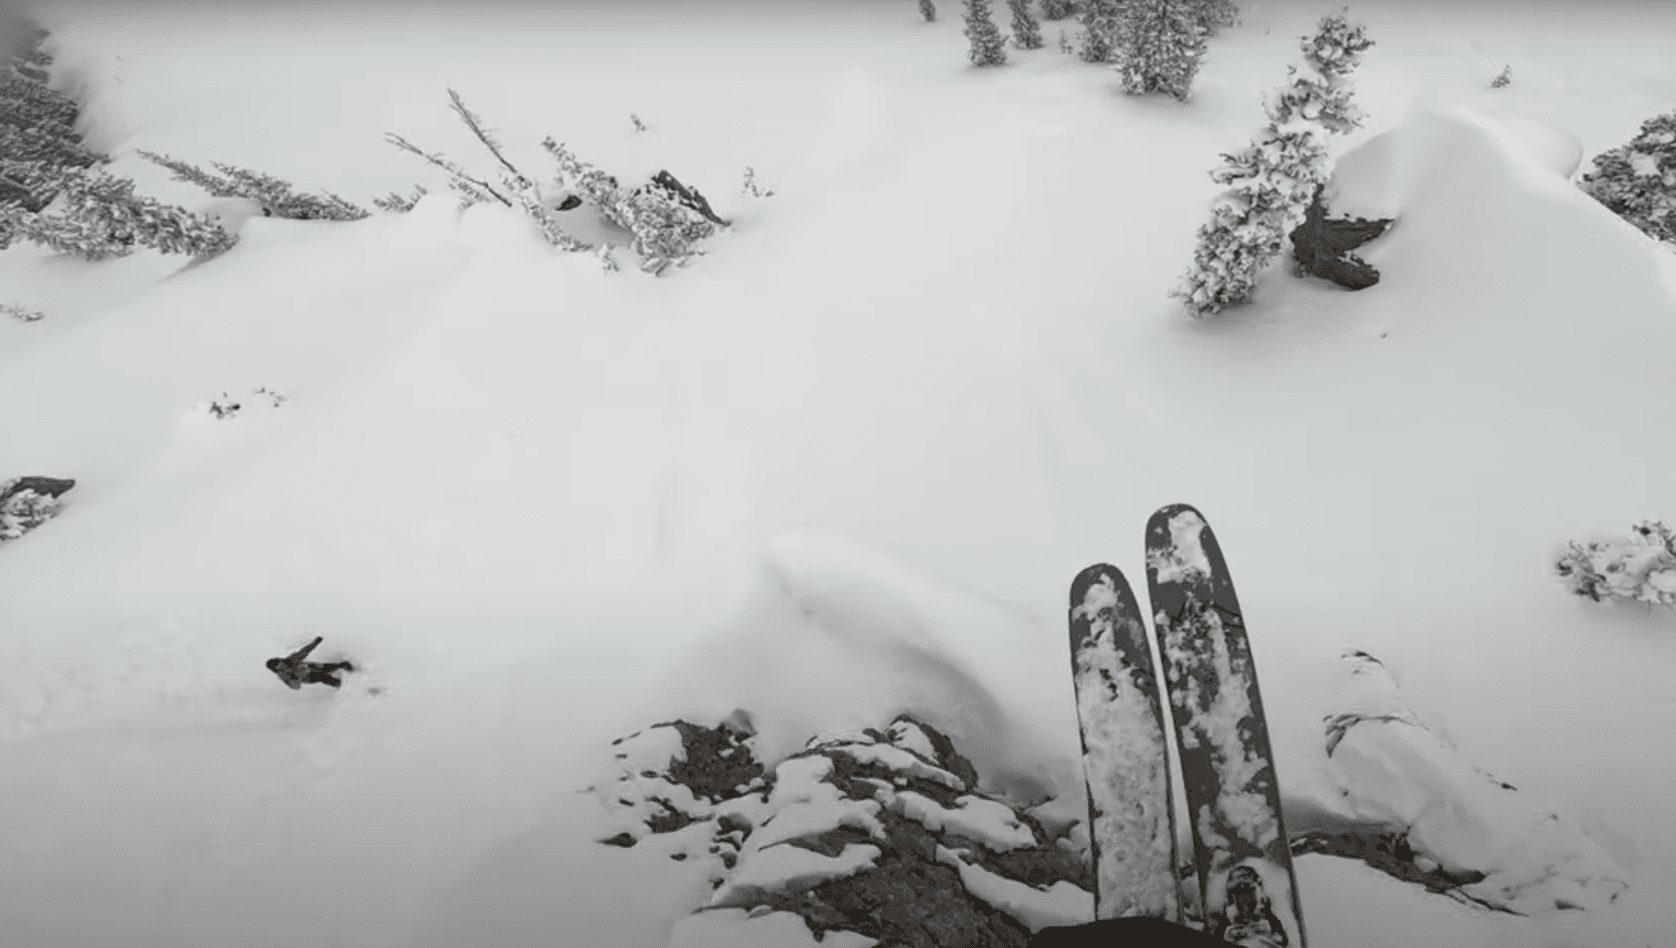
[(1249, 891), (1125, 758)]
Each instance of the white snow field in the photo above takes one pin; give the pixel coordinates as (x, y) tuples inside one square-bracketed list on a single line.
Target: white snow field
[(843, 466)]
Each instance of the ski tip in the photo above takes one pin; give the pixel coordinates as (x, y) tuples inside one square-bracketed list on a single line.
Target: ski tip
[(1159, 522), (1100, 574)]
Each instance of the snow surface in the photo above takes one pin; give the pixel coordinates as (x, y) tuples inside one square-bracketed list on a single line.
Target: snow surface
[(841, 468)]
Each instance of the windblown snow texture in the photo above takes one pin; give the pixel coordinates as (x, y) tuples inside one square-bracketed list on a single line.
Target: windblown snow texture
[(1509, 851), (1125, 760), (1227, 767)]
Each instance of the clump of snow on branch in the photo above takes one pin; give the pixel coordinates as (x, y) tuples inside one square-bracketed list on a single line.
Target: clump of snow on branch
[(1271, 181), (1639, 566), (1637, 181)]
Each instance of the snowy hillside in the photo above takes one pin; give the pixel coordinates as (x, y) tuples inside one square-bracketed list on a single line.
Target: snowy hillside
[(840, 468)]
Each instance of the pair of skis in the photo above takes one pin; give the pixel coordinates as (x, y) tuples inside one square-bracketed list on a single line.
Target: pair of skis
[(1248, 892)]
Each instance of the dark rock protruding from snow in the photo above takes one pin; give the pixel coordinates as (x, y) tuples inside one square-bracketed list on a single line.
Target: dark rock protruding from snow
[(1322, 245), (28, 502), (873, 834)]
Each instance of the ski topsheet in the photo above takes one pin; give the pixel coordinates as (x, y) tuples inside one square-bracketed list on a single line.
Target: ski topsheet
[(1250, 894), (1125, 759)]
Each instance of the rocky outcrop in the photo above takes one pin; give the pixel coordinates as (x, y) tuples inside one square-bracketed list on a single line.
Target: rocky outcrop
[(880, 833), (1321, 246)]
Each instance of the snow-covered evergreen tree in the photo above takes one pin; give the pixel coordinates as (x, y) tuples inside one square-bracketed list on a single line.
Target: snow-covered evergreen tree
[(1637, 181), (987, 47), (1640, 566), (275, 195), (1101, 20), (1272, 180), (1215, 15), (1503, 79), (1027, 32), (1058, 9), (664, 229), (928, 9), (98, 215), (1162, 43)]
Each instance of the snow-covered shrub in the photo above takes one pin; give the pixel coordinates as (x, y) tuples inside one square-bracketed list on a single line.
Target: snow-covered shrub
[(275, 195), (21, 313), (752, 188), (1272, 180), (880, 834), (28, 502), (1503, 79), (98, 215), (928, 9), (637, 122), (1640, 566), (986, 45), (1637, 181), (1065, 43), (1058, 9), (1027, 32), (665, 229), (1161, 44), (1100, 23)]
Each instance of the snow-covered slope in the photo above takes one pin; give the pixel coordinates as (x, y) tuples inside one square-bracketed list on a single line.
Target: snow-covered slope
[(843, 467)]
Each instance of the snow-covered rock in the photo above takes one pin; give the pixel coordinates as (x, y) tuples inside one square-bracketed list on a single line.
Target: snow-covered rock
[(1498, 845), (878, 834)]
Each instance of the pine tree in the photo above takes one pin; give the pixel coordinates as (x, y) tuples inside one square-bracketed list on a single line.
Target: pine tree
[(1162, 45), (1272, 180), (274, 195), (100, 216), (988, 46), (1637, 181), (928, 9), (1100, 22), (1058, 9), (1215, 15), (1027, 32)]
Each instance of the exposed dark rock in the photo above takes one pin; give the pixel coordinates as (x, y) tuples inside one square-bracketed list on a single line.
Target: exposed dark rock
[(46, 486), (1387, 852), (1321, 246), (688, 196)]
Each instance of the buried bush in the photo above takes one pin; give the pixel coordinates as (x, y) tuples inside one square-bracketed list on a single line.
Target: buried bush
[(1639, 566)]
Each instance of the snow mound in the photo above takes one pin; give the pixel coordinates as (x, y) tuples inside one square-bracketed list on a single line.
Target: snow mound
[(1555, 148), (1386, 174), (1508, 851)]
